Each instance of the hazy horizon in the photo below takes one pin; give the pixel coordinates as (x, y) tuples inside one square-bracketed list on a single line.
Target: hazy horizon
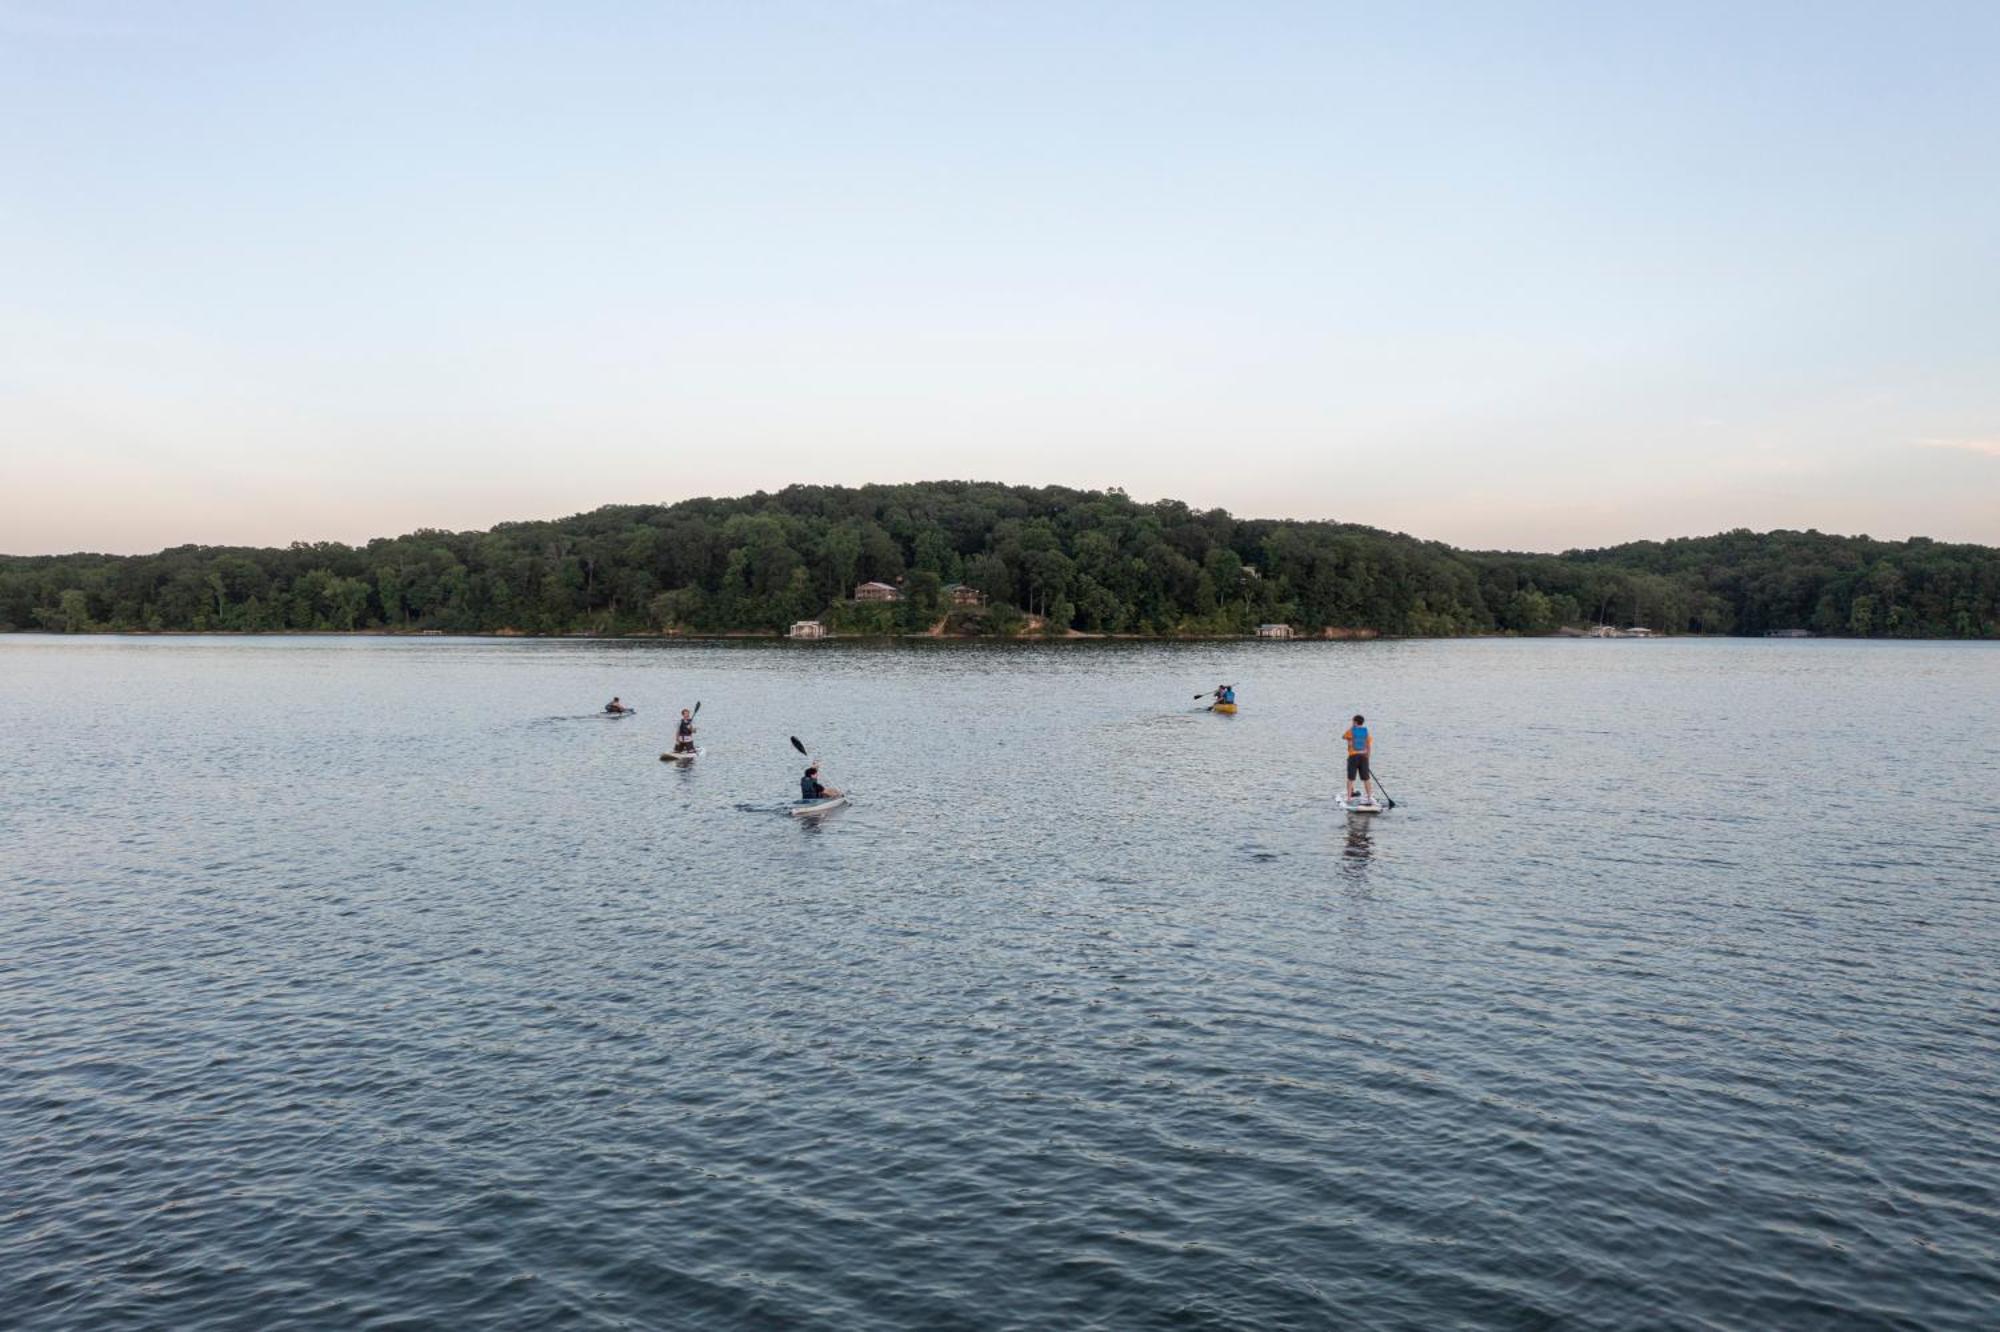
[(1537, 279)]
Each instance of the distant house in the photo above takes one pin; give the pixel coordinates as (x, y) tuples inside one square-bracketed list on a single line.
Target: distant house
[(877, 592), (958, 594), (1788, 633), (1274, 631), (806, 629), (1637, 631)]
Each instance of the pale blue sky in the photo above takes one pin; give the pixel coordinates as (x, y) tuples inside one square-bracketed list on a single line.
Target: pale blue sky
[(1498, 274)]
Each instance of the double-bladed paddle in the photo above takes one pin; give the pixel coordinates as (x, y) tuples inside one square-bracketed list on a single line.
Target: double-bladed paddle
[(815, 762)]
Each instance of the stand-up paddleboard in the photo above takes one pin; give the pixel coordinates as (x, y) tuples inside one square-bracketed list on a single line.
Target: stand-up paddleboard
[(682, 755), (806, 809), (1359, 805)]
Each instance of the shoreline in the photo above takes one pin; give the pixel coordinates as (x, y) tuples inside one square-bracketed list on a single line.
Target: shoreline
[(744, 635), (1073, 636)]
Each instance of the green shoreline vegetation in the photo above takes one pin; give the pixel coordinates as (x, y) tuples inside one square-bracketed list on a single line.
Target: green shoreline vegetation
[(1043, 561)]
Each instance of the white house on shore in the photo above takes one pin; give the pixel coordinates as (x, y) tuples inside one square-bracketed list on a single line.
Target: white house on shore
[(806, 629), (1274, 631), (878, 592)]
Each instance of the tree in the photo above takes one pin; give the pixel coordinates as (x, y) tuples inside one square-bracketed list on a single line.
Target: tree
[(1861, 619), (347, 603), (389, 591), (70, 614), (679, 609)]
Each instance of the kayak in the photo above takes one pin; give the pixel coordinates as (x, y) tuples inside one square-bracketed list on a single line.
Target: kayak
[(1229, 708), (681, 755), (805, 809), (629, 712), (1359, 805)]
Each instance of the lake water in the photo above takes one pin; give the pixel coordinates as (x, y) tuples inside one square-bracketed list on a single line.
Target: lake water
[(373, 983)]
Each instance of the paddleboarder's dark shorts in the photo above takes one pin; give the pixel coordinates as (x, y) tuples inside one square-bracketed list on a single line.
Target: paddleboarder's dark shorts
[(1357, 766)]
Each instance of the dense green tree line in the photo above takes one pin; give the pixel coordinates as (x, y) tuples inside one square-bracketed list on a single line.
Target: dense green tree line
[(1048, 559)]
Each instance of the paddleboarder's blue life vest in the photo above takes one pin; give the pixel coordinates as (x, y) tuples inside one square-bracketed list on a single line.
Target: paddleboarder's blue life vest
[(1359, 745)]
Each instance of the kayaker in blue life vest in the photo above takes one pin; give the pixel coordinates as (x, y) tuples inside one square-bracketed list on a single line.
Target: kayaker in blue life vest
[(1360, 745), (684, 733), (810, 788), (615, 706), (1225, 693)]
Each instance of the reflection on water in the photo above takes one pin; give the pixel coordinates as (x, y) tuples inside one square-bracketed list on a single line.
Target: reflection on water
[(339, 987), (1360, 843)]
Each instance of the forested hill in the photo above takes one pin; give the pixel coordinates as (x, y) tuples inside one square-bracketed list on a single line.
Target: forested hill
[(1047, 560)]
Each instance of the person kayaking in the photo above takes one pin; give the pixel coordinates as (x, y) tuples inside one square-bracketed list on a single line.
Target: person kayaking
[(1225, 693), (614, 706), (811, 789), (1360, 746), (684, 733)]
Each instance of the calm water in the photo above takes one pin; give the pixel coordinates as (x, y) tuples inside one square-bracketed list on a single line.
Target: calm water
[(363, 983)]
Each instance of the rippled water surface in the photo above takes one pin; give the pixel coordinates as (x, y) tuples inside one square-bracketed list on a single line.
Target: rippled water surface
[(368, 983)]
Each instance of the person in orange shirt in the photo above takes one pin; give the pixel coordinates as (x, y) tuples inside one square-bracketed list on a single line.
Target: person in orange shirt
[(1360, 746)]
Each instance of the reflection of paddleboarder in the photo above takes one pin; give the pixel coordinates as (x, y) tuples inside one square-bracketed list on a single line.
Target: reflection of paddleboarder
[(811, 789), (1359, 845), (1360, 745)]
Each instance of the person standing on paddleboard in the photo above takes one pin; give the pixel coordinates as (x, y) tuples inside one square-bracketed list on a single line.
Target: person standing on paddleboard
[(684, 733), (1360, 745)]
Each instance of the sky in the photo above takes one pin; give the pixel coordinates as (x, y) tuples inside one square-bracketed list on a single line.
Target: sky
[(1508, 275)]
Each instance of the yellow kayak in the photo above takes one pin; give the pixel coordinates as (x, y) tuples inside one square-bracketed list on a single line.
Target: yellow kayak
[(1222, 707)]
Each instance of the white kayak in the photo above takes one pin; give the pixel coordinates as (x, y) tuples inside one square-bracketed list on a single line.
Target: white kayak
[(805, 809), (1359, 805), (682, 755), (628, 712)]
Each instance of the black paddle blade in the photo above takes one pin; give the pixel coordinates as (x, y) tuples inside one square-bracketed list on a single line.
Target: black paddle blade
[(796, 745), (697, 709)]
